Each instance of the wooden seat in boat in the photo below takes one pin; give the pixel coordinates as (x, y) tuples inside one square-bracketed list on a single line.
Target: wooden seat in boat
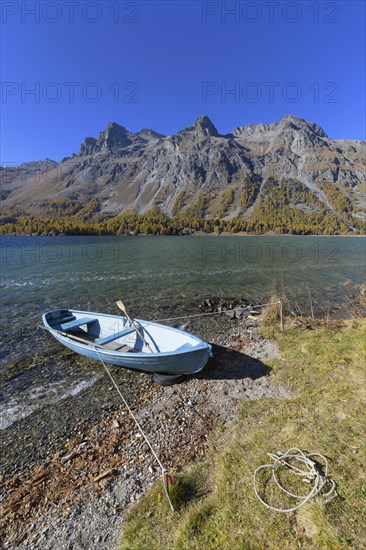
[(76, 323), (115, 346), (114, 336)]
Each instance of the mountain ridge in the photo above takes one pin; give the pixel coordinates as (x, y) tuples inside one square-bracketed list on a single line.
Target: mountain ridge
[(126, 170)]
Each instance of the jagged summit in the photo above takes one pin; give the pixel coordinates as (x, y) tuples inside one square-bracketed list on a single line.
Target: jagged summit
[(114, 137), (113, 133), (202, 127), (203, 122), (296, 123), (287, 123), (114, 127)]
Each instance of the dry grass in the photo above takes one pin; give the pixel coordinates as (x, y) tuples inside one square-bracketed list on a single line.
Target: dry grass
[(362, 295), (270, 315), (217, 508)]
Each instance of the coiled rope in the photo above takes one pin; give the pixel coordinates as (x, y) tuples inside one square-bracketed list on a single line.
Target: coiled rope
[(164, 472), (307, 468)]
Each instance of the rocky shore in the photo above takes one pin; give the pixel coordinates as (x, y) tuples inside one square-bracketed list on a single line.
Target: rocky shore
[(70, 472)]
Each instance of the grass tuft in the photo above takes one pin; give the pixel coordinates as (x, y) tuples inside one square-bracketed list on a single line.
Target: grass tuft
[(270, 316)]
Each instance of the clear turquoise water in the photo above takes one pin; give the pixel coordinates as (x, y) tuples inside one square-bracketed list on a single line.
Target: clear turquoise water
[(41, 273)]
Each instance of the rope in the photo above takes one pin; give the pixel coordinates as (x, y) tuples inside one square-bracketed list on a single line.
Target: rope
[(308, 469), (189, 316), (214, 312), (164, 471)]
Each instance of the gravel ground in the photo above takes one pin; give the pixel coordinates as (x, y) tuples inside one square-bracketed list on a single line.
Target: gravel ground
[(68, 487)]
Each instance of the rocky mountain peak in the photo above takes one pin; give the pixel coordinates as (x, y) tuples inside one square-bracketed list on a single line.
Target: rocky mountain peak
[(113, 134), (288, 124), (202, 127), (295, 123), (111, 137), (204, 124)]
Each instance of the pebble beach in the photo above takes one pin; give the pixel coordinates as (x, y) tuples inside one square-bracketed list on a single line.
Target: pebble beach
[(71, 471)]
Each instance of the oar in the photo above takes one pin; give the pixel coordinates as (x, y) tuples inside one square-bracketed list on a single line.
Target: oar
[(77, 338), (121, 306)]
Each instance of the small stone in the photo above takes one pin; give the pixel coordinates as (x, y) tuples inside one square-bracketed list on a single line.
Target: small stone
[(230, 314)]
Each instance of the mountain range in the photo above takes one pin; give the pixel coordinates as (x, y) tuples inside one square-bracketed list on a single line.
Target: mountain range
[(198, 171)]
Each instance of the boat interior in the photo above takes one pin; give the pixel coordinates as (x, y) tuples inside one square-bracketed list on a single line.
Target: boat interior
[(89, 329), (118, 334)]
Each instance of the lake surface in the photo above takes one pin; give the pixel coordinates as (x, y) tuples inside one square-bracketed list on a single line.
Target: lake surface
[(156, 277), (40, 273)]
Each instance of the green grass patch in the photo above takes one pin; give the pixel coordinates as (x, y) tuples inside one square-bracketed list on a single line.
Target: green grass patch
[(216, 507)]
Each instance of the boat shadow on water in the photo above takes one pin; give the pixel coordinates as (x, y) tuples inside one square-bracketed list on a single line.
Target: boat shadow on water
[(230, 364)]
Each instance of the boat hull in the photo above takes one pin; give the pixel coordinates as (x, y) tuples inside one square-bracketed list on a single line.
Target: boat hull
[(184, 363), (169, 362)]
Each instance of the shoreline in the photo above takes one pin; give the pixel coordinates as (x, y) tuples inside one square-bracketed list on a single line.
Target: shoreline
[(93, 477), (194, 234)]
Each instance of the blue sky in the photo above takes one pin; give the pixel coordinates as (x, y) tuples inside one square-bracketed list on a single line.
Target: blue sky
[(160, 65)]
